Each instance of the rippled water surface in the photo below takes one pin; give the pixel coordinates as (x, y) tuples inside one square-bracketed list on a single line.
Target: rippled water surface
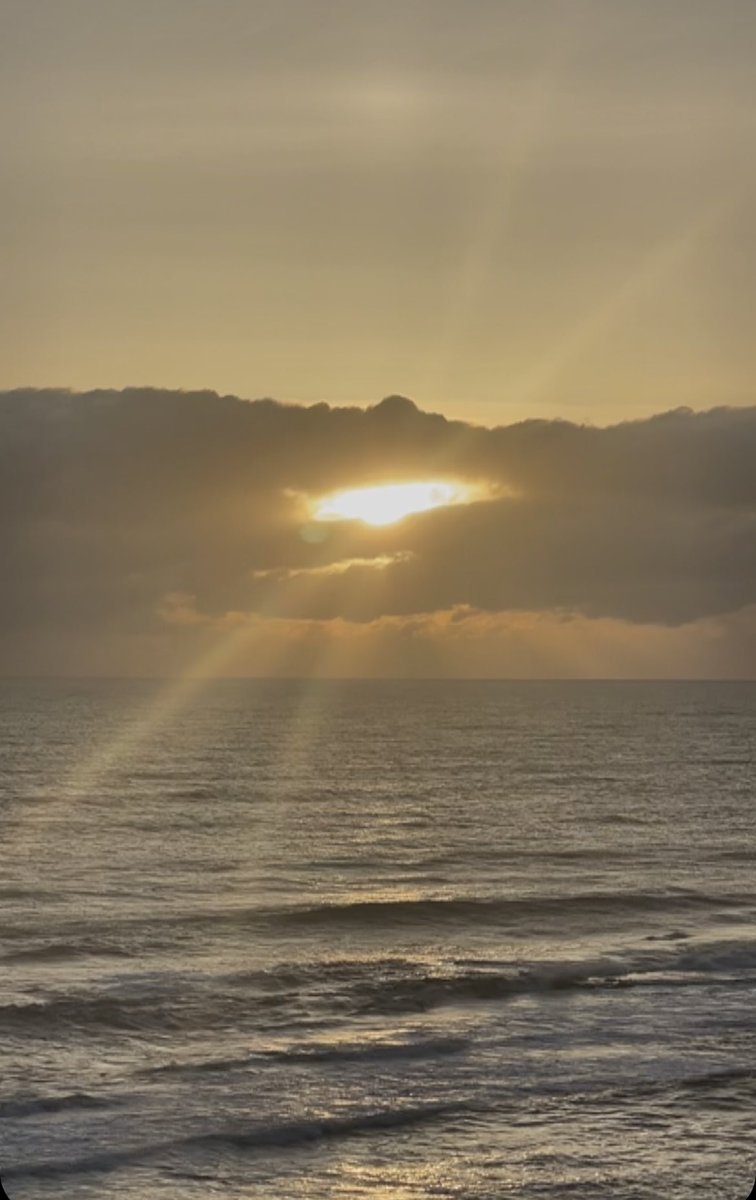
[(377, 940)]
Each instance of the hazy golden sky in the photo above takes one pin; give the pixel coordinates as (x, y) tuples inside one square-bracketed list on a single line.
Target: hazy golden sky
[(503, 208), (534, 217)]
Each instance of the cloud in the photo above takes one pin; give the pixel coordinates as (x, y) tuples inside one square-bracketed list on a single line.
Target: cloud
[(340, 567), (141, 514)]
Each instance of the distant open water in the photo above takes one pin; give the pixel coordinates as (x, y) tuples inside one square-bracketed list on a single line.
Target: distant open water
[(378, 940)]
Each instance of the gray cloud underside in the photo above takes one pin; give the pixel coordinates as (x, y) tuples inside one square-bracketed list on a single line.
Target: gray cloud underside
[(112, 501)]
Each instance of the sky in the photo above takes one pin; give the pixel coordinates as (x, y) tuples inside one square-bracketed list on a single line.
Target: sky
[(256, 252), (501, 208)]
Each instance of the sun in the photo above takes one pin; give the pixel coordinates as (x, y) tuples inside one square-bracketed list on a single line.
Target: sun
[(388, 503)]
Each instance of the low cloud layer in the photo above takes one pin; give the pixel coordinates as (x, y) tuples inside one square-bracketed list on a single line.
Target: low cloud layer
[(137, 515)]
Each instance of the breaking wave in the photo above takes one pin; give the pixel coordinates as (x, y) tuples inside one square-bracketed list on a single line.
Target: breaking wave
[(317, 993)]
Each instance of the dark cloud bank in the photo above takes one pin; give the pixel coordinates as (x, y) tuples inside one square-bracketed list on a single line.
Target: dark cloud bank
[(126, 511)]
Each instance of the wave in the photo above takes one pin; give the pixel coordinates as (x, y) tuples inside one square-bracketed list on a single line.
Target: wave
[(714, 1080), (313, 995), (60, 951), (360, 1052), (83, 1012), (428, 991), (718, 957), (489, 910), (33, 1105), (737, 1084), (515, 912), (201, 1067), (295, 1132), (677, 966), (244, 1139), (320, 1053), (497, 910)]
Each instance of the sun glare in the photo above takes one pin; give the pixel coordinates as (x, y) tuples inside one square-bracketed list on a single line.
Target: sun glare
[(389, 503)]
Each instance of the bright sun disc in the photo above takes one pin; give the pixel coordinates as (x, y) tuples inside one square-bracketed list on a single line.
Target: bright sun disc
[(389, 503)]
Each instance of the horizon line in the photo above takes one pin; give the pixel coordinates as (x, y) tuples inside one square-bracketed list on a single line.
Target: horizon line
[(90, 678)]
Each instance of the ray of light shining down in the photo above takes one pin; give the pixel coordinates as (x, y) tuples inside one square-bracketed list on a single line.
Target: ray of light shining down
[(661, 260), (167, 704), (118, 752), (233, 641), (388, 503), (514, 152)]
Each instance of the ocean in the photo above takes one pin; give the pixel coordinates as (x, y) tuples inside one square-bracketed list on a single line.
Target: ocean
[(377, 940)]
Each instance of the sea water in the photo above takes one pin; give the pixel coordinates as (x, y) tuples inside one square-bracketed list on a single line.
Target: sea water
[(377, 941)]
